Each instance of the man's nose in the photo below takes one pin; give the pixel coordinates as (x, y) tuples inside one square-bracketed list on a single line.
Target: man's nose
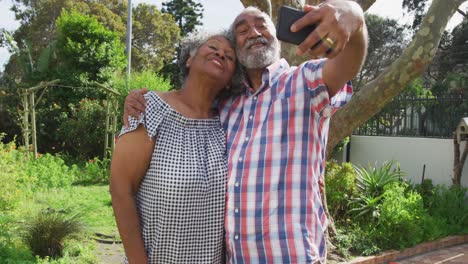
[(254, 32)]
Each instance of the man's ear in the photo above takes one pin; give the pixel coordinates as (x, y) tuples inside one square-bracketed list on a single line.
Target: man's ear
[(187, 63)]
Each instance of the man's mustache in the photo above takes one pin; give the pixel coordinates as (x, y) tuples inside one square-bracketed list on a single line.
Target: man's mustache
[(255, 41)]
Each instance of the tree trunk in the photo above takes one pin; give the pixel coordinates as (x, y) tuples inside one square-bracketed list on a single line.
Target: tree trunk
[(458, 161)]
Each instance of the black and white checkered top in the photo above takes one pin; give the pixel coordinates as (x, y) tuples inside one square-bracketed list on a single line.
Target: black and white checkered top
[(182, 196)]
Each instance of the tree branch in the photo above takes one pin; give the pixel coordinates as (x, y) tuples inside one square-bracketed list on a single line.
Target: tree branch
[(393, 80), (465, 15)]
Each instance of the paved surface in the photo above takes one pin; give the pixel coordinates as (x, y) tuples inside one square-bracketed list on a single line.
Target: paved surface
[(451, 255), (109, 253)]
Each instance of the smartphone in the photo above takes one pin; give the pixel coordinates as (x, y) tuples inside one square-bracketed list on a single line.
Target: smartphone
[(287, 16)]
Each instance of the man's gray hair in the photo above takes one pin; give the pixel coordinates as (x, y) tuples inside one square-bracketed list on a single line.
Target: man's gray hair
[(252, 9), (189, 47)]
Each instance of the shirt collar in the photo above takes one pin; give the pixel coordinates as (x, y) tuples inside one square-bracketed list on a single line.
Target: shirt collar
[(269, 75)]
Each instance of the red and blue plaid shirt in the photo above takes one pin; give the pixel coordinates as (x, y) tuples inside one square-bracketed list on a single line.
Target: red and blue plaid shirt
[(276, 140)]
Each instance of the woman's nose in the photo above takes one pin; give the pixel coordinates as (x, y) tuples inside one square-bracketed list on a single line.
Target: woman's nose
[(220, 54)]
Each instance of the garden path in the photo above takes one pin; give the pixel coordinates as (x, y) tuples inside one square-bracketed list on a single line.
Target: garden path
[(451, 255)]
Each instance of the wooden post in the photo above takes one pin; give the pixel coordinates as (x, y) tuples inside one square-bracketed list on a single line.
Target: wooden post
[(106, 129), (26, 120), (115, 104), (33, 122)]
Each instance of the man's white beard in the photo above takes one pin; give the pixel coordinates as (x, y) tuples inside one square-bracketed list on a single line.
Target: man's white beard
[(259, 58)]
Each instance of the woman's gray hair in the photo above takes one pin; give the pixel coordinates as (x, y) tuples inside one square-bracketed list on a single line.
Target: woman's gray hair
[(189, 47)]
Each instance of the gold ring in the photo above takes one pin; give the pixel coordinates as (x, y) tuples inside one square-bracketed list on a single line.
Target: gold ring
[(329, 42)]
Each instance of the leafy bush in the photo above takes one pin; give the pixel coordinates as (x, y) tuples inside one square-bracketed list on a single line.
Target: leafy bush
[(48, 171), (355, 239), (10, 173), (88, 51), (341, 187), (371, 183), (372, 180), (138, 80), (402, 218), (83, 132), (96, 172), (46, 233), (450, 206)]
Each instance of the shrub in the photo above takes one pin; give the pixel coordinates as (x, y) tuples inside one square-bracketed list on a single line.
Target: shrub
[(48, 171), (46, 233), (372, 180), (401, 220), (10, 158), (96, 172), (83, 132), (138, 80), (341, 187), (371, 183), (450, 205)]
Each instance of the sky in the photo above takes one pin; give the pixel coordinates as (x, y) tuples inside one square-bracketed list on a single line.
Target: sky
[(219, 14)]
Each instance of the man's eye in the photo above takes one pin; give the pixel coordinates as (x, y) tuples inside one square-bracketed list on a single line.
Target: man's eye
[(212, 47), (242, 31)]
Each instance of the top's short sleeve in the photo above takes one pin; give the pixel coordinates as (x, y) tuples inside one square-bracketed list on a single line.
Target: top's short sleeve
[(156, 110)]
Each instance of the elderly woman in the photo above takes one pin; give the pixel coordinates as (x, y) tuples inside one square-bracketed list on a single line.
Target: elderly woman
[(168, 172)]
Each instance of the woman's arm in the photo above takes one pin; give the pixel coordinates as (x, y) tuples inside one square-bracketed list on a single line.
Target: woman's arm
[(130, 162)]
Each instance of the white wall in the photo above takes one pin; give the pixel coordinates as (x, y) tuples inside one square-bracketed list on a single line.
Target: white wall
[(412, 154)]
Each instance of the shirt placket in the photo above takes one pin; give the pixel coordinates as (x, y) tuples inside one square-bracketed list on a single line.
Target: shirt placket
[(249, 112)]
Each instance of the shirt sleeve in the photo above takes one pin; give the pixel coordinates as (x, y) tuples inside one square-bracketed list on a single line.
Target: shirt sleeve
[(324, 105), (151, 118)]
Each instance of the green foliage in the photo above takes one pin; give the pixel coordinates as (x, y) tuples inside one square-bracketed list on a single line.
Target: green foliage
[(340, 182), (155, 34), (371, 183), (82, 133), (45, 233), (148, 79), (9, 175), (372, 180), (355, 239), (96, 172), (450, 205), (386, 43), (187, 14), (48, 171), (89, 51), (402, 218)]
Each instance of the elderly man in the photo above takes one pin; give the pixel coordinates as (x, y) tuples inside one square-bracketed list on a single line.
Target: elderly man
[(277, 132)]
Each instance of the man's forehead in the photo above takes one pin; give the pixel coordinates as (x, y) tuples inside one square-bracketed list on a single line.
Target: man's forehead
[(247, 16)]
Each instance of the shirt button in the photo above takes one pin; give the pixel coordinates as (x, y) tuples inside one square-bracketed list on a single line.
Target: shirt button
[(236, 184), (255, 97), (247, 139), (326, 112), (236, 210), (251, 117), (236, 237), (240, 159)]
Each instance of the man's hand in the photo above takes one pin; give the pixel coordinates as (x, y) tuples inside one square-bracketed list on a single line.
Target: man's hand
[(134, 105), (337, 21)]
